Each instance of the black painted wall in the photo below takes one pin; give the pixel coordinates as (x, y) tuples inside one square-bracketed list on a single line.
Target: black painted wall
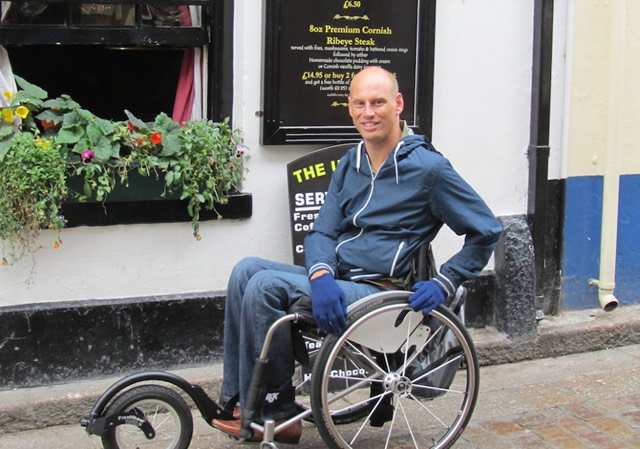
[(54, 343)]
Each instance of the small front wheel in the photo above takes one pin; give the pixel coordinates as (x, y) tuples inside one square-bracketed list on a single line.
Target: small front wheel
[(162, 408)]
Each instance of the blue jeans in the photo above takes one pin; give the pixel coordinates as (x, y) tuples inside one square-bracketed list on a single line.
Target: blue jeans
[(259, 292)]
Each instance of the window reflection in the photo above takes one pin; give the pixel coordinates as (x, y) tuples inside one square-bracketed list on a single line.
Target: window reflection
[(97, 14), (28, 13)]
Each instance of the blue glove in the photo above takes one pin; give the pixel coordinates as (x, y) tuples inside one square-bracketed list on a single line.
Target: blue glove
[(428, 295), (329, 304)]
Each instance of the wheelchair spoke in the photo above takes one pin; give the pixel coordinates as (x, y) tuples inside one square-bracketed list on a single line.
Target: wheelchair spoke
[(406, 420), (350, 390), (406, 347), (421, 349), (433, 415), (442, 390), (437, 368), (371, 362), (364, 422), (393, 421), (362, 402), (302, 384)]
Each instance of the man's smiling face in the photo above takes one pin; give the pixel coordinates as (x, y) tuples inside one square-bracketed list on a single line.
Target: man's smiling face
[(375, 106)]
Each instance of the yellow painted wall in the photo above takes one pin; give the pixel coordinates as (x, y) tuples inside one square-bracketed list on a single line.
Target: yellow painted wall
[(590, 97), (630, 150)]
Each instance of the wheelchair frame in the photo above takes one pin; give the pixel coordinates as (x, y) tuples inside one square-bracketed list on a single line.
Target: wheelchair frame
[(392, 395)]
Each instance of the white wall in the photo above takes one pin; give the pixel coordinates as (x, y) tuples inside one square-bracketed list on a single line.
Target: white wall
[(482, 100), (481, 122)]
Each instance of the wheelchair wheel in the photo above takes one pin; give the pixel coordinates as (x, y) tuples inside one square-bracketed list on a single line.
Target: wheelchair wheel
[(417, 376), (164, 409), (302, 383)]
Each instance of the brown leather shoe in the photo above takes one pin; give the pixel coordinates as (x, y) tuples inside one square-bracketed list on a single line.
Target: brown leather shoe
[(290, 435)]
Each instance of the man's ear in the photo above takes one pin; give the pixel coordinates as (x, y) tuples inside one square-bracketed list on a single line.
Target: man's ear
[(399, 103)]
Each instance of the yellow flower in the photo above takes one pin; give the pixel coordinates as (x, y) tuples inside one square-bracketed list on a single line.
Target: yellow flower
[(43, 143), (9, 95), (22, 112), (7, 115)]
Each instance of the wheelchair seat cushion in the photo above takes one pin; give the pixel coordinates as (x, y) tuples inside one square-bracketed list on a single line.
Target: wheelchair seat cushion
[(304, 310)]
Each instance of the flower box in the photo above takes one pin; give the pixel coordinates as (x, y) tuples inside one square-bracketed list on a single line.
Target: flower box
[(60, 165)]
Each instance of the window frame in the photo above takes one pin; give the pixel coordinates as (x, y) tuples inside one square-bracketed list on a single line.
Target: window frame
[(216, 33), (276, 131)]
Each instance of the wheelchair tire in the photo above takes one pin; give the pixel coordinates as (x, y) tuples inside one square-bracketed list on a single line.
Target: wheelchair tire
[(405, 407), (166, 411)]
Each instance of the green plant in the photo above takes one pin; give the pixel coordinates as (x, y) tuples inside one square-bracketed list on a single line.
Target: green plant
[(201, 161), (32, 189)]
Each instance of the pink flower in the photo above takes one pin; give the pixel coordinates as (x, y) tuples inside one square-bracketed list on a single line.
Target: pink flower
[(87, 157)]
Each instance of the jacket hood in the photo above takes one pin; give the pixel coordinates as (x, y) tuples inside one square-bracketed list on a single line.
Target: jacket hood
[(402, 149)]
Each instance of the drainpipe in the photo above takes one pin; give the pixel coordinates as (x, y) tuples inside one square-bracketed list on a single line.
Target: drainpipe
[(611, 183), (538, 150)]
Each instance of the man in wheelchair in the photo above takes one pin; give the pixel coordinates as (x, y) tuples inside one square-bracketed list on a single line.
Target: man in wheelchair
[(390, 194)]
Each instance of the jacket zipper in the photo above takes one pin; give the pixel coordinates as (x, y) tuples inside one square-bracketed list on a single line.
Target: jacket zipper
[(373, 179)]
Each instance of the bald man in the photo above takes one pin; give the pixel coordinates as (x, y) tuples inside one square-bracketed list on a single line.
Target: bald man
[(390, 194)]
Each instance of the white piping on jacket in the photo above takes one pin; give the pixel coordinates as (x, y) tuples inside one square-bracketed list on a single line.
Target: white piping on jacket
[(395, 160), (395, 259), (447, 286)]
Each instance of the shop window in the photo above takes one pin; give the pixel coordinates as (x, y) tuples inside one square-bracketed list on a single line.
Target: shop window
[(115, 22), (115, 55)]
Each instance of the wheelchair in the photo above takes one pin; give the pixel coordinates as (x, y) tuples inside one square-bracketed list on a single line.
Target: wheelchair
[(393, 379)]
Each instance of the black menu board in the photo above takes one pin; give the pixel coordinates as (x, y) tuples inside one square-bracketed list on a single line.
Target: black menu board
[(313, 49)]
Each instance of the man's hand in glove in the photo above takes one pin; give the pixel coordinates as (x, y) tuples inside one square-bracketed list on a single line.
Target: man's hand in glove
[(328, 304), (427, 296)]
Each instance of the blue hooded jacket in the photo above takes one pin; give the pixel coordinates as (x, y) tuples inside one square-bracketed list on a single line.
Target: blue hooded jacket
[(371, 223)]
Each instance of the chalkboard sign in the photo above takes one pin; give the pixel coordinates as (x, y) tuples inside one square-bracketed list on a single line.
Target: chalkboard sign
[(314, 48), (308, 179)]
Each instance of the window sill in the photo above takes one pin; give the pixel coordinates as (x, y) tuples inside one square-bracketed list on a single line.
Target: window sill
[(110, 213)]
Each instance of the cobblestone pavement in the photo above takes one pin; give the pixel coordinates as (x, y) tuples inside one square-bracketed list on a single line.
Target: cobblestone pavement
[(588, 400)]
